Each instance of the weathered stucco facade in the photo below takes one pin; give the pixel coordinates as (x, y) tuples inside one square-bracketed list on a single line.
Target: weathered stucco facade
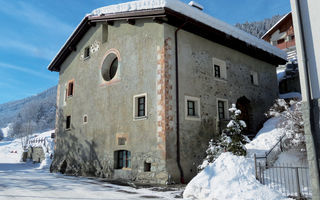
[(146, 54)]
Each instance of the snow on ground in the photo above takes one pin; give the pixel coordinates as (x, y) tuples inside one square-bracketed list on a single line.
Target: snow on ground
[(24, 181), (229, 177), (294, 158), (194, 13), (266, 138)]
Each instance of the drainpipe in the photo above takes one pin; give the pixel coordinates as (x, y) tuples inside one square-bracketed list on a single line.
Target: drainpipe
[(313, 151), (177, 102)]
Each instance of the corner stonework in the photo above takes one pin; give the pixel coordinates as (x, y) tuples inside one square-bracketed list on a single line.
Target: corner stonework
[(165, 117)]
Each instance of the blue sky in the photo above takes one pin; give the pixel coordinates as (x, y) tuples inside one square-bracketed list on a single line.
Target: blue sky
[(33, 31)]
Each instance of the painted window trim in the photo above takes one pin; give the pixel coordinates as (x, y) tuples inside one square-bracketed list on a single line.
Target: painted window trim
[(67, 90), (223, 69), (135, 107), (226, 109), (197, 108)]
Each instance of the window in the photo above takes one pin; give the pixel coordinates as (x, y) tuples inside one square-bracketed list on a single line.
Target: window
[(140, 106), (219, 69), (147, 167), (85, 119), (122, 159), (110, 67), (192, 108), (68, 122), (280, 41), (254, 78), (70, 89), (222, 109), (86, 52), (122, 141)]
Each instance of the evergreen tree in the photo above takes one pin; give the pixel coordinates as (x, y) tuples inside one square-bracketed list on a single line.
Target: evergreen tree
[(231, 140), (234, 131)]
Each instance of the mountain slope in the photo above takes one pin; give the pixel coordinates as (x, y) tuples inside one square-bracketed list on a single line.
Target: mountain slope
[(9, 111), (259, 28)]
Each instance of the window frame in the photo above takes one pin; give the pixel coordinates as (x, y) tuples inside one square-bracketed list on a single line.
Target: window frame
[(136, 106), (197, 110), (254, 78), (68, 93), (83, 119), (226, 110), (86, 53), (123, 159), (222, 69)]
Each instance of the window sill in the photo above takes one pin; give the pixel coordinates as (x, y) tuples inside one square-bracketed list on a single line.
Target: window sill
[(220, 79), (86, 58), (140, 118), (68, 129), (193, 118), (125, 169)]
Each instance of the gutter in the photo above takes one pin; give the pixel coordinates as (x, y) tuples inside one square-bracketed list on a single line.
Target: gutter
[(177, 103)]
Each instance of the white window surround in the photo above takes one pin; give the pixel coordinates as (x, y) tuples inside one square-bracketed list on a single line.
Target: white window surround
[(85, 116), (223, 68), (226, 108), (197, 116), (135, 107), (255, 77)]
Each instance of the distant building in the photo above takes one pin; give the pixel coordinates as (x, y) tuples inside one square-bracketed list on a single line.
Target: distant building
[(143, 86), (282, 36)]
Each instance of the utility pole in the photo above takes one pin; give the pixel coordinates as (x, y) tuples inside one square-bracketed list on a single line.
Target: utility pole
[(306, 15)]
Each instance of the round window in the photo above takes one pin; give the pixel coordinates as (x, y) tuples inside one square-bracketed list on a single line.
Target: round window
[(109, 67)]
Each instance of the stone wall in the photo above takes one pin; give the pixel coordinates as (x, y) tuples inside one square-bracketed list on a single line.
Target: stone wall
[(36, 154)]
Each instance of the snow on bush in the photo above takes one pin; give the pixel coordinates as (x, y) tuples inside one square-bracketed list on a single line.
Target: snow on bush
[(229, 177), (231, 139), (292, 122)]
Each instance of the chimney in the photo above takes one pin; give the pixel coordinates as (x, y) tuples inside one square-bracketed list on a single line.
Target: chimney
[(196, 5)]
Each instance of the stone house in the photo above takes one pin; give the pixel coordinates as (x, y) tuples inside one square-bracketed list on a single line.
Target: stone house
[(144, 85)]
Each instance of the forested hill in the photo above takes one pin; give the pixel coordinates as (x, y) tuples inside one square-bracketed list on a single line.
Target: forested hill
[(259, 28), (44, 103)]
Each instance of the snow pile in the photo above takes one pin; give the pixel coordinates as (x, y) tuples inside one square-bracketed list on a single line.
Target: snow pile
[(229, 177), (266, 138), (45, 141), (194, 13)]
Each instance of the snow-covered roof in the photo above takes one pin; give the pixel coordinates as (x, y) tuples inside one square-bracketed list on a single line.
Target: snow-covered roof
[(237, 39), (194, 13)]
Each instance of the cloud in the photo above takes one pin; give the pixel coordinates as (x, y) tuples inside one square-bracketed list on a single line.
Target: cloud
[(29, 49), (27, 70), (24, 11)]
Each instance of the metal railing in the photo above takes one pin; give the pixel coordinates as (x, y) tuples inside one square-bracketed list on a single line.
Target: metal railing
[(289, 180), (271, 155)]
